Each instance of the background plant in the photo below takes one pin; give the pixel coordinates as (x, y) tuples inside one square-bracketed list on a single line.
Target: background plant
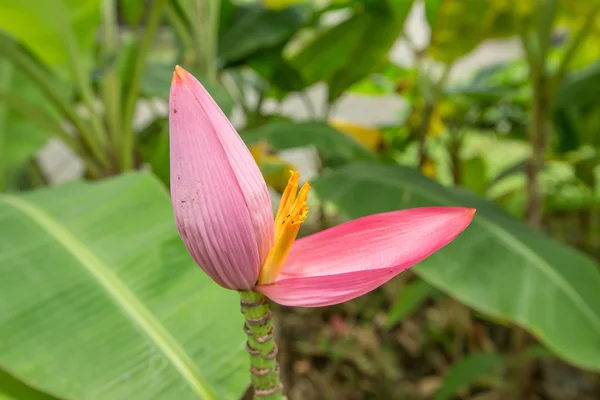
[(99, 296)]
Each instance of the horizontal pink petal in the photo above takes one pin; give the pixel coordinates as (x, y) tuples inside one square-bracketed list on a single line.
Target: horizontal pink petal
[(349, 260), (221, 203)]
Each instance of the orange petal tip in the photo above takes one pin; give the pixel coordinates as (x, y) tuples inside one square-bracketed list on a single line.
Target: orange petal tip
[(179, 75)]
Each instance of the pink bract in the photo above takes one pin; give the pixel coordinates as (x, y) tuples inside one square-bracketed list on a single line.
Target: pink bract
[(220, 199), (349, 260)]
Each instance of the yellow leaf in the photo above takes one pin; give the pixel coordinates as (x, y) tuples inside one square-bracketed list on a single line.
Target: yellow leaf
[(436, 122), (371, 138), (280, 4), (428, 169)]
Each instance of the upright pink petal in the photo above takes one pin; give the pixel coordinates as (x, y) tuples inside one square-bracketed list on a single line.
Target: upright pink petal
[(349, 260), (221, 203)]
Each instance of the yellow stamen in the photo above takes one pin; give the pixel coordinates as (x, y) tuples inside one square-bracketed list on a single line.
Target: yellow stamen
[(290, 215), (287, 201)]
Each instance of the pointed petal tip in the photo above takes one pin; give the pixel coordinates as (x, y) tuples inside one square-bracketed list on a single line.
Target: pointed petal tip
[(179, 75), (470, 213), (462, 215), (466, 212)]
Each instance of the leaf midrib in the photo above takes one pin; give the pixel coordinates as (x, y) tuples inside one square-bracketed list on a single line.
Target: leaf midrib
[(508, 238), (119, 292)]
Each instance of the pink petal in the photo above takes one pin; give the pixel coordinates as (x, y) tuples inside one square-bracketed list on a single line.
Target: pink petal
[(349, 260), (221, 203)]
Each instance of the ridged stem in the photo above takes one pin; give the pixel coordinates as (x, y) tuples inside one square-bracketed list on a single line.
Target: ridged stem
[(261, 346)]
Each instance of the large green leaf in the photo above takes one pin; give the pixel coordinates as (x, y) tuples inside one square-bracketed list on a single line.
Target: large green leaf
[(13, 389), (333, 145), (255, 28), (100, 299), (330, 51), (458, 26), (46, 27), (349, 51), (498, 265), (382, 31), (276, 70), (576, 112), (579, 88)]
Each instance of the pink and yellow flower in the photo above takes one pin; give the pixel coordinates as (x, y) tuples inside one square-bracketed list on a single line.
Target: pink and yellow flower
[(224, 216)]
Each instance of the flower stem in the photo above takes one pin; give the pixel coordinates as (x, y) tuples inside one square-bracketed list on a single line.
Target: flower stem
[(264, 369)]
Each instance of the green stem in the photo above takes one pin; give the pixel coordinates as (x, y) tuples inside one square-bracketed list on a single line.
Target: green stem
[(539, 136), (529, 49), (431, 101), (207, 12), (181, 30), (454, 149), (109, 10), (215, 9), (78, 72), (539, 127), (111, 87), (423, 129), (136, 78), (546, 13), (264, 369)]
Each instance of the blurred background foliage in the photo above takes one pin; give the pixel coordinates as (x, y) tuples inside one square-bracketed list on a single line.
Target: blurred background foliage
[(98, 297)]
